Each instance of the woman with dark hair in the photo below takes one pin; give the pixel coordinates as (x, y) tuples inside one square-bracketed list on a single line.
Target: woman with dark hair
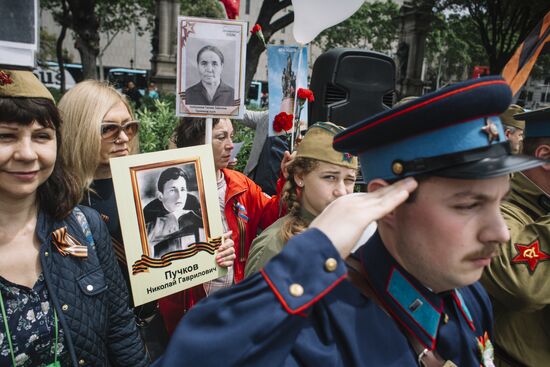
[(211, 90), (62, 296), (244, 208)]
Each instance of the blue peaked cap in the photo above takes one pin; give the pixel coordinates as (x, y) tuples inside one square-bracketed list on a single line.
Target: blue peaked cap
[(453, 132), (537, 123)]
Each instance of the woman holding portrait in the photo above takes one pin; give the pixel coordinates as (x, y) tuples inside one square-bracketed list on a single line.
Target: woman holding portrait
[(244, 208), (99, 125)]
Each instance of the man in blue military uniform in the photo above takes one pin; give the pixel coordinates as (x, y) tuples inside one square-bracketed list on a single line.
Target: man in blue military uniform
[(414, 296)]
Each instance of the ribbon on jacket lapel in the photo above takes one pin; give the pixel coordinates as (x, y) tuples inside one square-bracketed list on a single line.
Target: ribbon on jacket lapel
[(67, 244)]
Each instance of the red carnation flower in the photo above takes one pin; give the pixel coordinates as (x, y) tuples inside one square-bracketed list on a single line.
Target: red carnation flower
[(305, 94), (289, 122), (283, 121), (257, 28)]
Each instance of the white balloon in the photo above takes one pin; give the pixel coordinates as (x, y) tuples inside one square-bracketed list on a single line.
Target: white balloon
[(311, 17)]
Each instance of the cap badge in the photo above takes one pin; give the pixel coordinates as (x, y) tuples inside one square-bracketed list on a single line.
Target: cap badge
[(491, 130), (5, 78), (346, 157), (397, 168)]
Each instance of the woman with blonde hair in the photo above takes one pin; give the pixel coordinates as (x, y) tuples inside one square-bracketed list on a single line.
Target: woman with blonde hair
[(317, 176), (98, 125)]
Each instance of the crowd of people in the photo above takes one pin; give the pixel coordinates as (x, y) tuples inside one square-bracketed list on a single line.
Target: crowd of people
[(452, 271)]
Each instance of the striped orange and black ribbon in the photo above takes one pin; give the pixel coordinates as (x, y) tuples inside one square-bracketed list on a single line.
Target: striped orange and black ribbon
[(519, 67), (67, 244), (146, 262)]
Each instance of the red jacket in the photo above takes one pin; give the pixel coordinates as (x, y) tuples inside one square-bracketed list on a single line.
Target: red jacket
[(247, 209)]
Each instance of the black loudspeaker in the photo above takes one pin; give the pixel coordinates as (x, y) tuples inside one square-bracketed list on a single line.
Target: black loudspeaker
[(350, 85)]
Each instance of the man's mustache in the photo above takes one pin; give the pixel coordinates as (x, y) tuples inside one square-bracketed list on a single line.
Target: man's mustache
[(491, 250)]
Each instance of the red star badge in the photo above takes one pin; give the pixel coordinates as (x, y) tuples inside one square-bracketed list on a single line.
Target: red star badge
[(5, 78), (530, 255), (188, 28)]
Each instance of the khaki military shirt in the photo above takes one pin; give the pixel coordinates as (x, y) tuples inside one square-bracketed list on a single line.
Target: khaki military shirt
[(269, 243), (518, 280)]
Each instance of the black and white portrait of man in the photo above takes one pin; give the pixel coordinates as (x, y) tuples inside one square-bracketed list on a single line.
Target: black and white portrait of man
[(173, 219)]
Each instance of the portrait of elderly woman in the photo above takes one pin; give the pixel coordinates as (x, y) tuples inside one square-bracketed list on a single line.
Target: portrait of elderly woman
[(210, 90), (173, 220)]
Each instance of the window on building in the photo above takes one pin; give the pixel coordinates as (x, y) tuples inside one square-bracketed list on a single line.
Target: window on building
[(529, 96), (247, 7), (282, 42)]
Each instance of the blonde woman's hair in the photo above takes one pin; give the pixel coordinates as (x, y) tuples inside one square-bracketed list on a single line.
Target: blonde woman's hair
[(83, 108), (291, 196)]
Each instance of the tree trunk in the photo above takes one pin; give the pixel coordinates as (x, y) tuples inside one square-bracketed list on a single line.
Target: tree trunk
[(86, 27), (255, 47), (59, 48), (88, 57)]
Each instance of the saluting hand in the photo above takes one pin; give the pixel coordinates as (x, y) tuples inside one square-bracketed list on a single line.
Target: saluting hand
[(345, 219), (226, 251)]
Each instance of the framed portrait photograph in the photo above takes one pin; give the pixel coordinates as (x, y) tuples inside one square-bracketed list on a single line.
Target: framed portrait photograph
[(211, 62), (170, 219)]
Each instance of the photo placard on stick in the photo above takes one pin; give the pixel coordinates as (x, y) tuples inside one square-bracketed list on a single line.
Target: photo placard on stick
[(287, 72), (170, 219), (211, 62)]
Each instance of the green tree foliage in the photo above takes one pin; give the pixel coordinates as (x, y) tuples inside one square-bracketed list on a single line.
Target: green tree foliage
[(373, 26), (452, 48), (157, 124), (541, 69), (203, 8), (501, 25), (87, 18)]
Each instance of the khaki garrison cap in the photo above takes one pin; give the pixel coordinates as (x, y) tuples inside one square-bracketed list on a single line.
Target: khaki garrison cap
[(22, 84), (317, 144)]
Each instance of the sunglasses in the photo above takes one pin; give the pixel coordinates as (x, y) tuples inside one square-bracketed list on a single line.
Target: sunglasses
[(111, 131)]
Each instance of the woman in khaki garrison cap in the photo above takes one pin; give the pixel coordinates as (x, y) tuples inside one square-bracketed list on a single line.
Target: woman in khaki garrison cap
[(317, 177), (62, 296)]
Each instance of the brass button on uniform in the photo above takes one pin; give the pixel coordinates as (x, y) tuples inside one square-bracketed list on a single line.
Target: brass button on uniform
[(81, 362), (65, 307), (331, 264), (89, 287), (296, 290), (46, 253)]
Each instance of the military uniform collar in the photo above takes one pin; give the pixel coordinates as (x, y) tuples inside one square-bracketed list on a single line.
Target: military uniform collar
[(306, 215), (415, 307), (526, 194)]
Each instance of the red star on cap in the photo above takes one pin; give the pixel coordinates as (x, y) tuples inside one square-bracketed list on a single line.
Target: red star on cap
[(5, 78), (530, 255)]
